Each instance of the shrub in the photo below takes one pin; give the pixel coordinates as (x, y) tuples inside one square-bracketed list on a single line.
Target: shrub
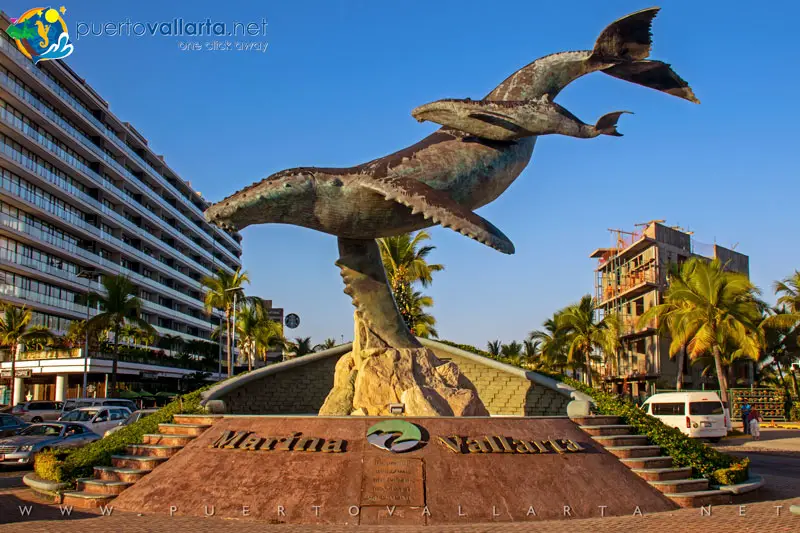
[(684, 451), (737, 473), (74, 464)]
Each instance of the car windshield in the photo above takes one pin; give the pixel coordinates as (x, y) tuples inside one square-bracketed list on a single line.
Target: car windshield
[(42, 429), (79, 415), (705, 408)]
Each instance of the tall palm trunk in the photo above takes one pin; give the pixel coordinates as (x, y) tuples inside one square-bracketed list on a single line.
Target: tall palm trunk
[(588, 358), (114, 362), (723, 383), (794, 383), (681, 362), (13, 350), (228, 341)]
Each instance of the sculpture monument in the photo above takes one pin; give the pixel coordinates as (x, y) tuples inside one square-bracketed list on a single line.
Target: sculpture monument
[(480, 150)]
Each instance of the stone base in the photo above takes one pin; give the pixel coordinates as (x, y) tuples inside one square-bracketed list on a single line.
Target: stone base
[(374, 376), (463, 470)]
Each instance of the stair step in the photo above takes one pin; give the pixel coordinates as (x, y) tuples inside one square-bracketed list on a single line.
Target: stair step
[(627, 452), (114, 473), (204, 420), (168, 440), (137, 461), (660, 461), (610, 429), (597, 420), (621, 440), (674, 486), (85, 500), (152, 450), (183, 429), (663, 474), (90, 485), (701, 498)]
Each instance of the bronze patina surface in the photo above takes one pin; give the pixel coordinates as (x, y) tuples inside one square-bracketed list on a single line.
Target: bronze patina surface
[(480, 150)]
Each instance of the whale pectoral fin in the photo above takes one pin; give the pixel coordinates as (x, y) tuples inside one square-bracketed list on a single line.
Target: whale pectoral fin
[(439, 207)]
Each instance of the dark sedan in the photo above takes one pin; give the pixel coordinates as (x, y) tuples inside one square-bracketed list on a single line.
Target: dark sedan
[(10, 425), (21, 449)]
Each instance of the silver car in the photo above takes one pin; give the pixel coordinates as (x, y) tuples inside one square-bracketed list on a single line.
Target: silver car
[(135, 417), (97, 419), (21, 449), (37, 411)]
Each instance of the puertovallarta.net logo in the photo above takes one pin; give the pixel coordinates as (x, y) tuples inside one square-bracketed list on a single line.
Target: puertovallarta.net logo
[(41, 34)]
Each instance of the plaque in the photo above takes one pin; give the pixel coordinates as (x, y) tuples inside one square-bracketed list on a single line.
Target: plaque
[(392, 481)]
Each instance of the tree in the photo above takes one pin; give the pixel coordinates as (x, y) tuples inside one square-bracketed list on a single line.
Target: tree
[(325, 345), (255, 332), (419, 321), (120, 307), (493, 347), (551, 343), (789, 290), (15, 329), (531, 351), (220, 295), (583, 333), (301, 346), (708, 307), (406, 261)]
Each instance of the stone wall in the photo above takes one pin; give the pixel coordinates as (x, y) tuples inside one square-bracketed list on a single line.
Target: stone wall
[(295, 391), (302, 390), (504, 393)]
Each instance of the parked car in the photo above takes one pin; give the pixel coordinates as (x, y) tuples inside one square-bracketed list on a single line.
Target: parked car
[(11, 425), (37, 411), (696, 414), (75, 403), (135, 417), (21, 448), (97, 419)]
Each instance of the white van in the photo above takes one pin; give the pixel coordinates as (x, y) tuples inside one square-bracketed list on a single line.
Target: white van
[(696, 414)]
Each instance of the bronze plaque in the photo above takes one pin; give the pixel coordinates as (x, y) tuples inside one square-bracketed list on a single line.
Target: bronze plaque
[(392, 481)]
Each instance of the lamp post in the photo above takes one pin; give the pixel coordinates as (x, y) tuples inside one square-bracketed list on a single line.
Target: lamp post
[(88, 274)]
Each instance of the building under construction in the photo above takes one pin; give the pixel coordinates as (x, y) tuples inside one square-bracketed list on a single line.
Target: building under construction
[(631, 277)]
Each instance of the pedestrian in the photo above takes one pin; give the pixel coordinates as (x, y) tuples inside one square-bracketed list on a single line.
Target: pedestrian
[(755, 424), (745, 418)]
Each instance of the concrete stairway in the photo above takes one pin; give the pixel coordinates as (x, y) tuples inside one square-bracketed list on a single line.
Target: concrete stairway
[(140, 459), (647, 461)]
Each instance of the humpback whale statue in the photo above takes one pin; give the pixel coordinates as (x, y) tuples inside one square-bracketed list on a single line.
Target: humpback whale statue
[(480, 150)]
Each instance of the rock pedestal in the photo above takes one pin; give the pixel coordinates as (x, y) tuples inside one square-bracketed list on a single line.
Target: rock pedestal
[(374, 375)]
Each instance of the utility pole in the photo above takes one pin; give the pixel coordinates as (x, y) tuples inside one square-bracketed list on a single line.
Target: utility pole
[(88, 274)]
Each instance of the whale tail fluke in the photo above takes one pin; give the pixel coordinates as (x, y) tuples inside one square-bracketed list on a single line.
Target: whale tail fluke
[(622, 50), (607, 124)]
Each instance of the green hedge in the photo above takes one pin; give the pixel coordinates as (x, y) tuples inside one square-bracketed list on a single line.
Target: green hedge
[(704, 460), (67, 466)]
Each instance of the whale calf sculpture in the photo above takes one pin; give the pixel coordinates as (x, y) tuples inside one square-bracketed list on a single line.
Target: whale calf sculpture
[(480, 150)]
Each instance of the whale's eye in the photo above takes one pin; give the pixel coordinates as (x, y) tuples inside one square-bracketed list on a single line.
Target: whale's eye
[(337, 182), (288, 185)]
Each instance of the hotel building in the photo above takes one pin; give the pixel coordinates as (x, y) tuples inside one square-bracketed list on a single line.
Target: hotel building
[(82, 192)]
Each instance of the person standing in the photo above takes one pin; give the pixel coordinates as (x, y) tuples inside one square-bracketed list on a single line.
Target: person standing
[(746, 418), (755, 424)]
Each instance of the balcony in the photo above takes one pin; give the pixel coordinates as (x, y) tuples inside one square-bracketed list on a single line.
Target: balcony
[(132, 355), (77, 106), (629, 327), (122, 197), (46, 268), (629, 285), (40, 171)]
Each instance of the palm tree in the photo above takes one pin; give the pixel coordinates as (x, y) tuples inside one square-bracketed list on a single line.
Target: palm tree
[(128, 333), (583, 333), (255, 332), (551, 343), (325, 345), (706, 308), (420, 322), (301, 346), (493, 347), (220, 295), (406, 261), (531, 350), (120, 307), (789, 290), (15, 329)]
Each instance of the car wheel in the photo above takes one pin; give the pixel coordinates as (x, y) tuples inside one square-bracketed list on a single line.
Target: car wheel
[(36, 419)]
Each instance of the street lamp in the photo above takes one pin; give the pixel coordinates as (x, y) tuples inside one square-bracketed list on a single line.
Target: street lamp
[(88, 274)]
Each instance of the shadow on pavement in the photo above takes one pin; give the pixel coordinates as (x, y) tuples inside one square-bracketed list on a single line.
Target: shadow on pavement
[(14, 509)]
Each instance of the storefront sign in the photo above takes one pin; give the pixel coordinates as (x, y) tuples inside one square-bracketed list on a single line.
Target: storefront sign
[(21, 373)]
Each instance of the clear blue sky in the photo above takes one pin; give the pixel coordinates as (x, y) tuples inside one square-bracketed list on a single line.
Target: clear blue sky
[(336, 87)]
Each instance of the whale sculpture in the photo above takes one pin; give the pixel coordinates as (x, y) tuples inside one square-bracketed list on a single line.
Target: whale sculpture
[(482, 147)]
